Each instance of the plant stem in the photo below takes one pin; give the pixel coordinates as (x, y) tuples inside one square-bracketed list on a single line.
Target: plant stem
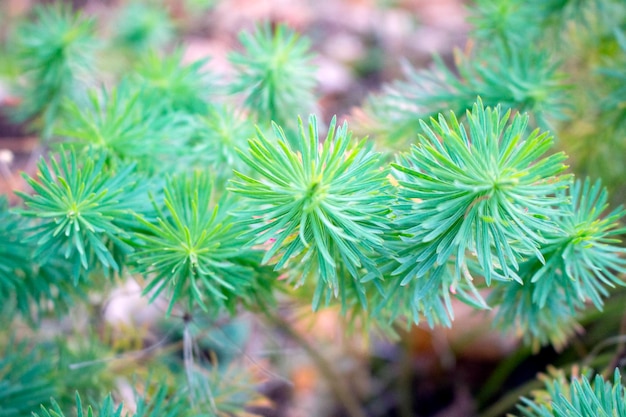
[(334, 380), (406, 373), (509, 400), (619, 351), (499, 376)]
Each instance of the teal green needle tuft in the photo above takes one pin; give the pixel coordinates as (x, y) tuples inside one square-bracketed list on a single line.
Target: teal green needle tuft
[(485, 191), (54, 52), (216, 138), (317, 206), (80, 211), (523, 80), (141, 26), (581, 396), (14, 260), (585, 256), (275, 74), (106, 409), (126, 124), (538, 325), (26, 379), (31, 289), (192, 248), (582, 260)]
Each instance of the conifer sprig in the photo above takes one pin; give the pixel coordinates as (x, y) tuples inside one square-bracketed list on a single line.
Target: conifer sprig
[(176, 86), (275, 74), (25, 379), (80, 210), (577, 397), (486, 189), (587, 248), (217, 136), (125, 124), (523, 80), (582, 257), (15, 258), (321, 204), (193, 247), (141, 27), (519, 311), (30, 289), (54, 51)]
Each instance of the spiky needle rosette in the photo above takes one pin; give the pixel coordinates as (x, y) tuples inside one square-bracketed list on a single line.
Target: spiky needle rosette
[(275, 74), (192, 247), (578, 396), (322, 204), (485, 189), (82, 211), (582, 256)]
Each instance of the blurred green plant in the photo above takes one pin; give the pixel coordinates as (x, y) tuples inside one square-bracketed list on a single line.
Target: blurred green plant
[(126, 126), (81, 212), (275, 75), (216, 138), (525, 80), (176, 86), (25, 381), (142, 26), (55, 56), (107, 409)]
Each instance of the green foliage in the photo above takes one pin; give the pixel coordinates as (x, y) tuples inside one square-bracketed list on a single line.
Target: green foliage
[(193, 248), (524, 80), (107, 409), (585, 248), (23, 285), (581, 257), (578, 398), (26, 380), (161, 404), (81, 212), (216, 138), (275, 75), (596, 138), (125, 126), (323, 204), (483, 189), (14, 259), (54, 52), (503, 21), (173, 85), (615, 101), (551, 323), (140, 27), (429, 298)]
